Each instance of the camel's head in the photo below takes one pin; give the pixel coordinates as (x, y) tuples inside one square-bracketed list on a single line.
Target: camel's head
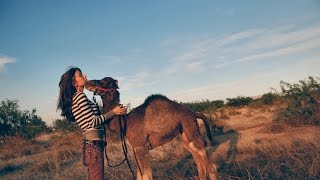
[(106, 88)]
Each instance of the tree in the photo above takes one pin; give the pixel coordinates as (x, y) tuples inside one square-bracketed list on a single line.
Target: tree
[(9, 115), (13, 121), (30, 124)]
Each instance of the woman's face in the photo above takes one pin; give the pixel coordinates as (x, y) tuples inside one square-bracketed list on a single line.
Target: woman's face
[(79, 79)]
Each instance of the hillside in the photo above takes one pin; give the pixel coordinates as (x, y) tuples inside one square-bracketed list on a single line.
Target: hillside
[(248, 147)]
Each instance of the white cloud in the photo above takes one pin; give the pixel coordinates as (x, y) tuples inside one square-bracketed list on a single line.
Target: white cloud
[(195, 66), (280, 36), (233, 38), (4, 60), (286, 39), (297, 48), (191, 58), (194, 55), (137, 80), (197, 55), (309, 44)]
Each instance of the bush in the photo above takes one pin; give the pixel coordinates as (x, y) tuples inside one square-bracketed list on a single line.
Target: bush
[(266, 99), (64, 125), (202, 106), (269, 98), (303, 101), (239, 101)]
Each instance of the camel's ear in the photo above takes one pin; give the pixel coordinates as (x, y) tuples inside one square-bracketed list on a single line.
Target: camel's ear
[(116, 83)]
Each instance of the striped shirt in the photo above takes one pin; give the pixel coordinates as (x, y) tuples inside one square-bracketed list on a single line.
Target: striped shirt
[(87, 114)]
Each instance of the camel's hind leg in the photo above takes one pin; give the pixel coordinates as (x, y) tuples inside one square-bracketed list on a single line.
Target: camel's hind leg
[(196, 157), (144, 171), (200, 157)]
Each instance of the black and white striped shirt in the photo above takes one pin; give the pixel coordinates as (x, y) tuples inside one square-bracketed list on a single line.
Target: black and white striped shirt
[(87, 114)]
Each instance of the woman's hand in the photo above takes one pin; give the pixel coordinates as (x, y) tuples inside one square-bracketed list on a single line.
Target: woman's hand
[(120, 110)]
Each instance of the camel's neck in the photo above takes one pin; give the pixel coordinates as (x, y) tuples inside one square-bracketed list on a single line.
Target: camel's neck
[(108, 106), (113, 124)]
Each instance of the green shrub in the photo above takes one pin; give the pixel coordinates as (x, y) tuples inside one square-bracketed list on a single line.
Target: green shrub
[(203, 106), (303, 101), (239, 101), (268, 98), (64, 125)]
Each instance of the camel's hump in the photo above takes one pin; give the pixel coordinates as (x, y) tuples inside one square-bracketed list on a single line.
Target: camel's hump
[(155, 97)]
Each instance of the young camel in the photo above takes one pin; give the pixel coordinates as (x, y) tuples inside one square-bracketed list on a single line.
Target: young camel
[(157, 121)]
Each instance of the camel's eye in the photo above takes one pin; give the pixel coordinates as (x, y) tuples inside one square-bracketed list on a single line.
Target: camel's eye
[(103, 84)]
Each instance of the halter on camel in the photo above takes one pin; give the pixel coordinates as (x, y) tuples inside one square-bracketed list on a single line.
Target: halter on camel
[(122, 132)]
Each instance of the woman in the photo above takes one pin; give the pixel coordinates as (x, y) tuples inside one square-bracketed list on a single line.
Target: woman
[(76, 107)]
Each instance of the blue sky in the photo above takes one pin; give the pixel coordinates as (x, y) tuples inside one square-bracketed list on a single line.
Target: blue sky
[(186, 50)]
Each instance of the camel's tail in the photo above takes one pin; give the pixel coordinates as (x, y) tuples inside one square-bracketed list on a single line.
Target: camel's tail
[(206, 124)]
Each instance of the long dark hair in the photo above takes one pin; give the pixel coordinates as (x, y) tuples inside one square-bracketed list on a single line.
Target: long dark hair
[(67, 90)]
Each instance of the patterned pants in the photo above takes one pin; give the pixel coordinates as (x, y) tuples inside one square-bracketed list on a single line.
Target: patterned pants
[(93, 158)]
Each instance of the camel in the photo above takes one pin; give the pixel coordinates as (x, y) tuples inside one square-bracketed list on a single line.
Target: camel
[(154, 123)]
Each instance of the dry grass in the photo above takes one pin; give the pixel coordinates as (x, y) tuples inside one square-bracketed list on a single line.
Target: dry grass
[(41, 159), (250, 147)]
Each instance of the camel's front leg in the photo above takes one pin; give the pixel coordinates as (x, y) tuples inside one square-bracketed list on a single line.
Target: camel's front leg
[(144, 171)]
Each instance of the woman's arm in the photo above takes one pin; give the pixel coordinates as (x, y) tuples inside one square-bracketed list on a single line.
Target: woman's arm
[(84, 114)]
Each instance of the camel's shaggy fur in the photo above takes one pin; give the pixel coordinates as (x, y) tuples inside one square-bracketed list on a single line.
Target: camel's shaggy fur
[(157, 121)]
